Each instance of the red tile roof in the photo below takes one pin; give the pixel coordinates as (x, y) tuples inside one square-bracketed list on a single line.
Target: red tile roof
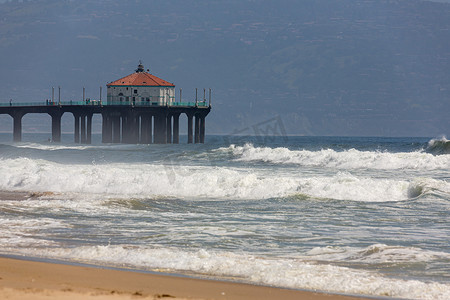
[(140, 79)]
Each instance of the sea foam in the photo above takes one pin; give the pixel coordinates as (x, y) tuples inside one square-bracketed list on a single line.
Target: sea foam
[(282, 272), (159, 180), (349, 159), (375, 254)]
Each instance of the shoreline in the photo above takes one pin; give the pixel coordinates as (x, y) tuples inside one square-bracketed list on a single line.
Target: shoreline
[(36, 279)]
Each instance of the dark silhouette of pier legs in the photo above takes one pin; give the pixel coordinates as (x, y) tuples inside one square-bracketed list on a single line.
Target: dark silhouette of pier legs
[(89, 129), (169, 129), (146, 129), (160, 129), (127, 136), (120, 124), (17, 129), (115, 129), (135, 129), (76, 130), (197, 129), (202, 129), (176, 128), (150, 129), (83, 135), (130, 128), (56, 126), (83, 129), (107, 128), (125, 131), (189, 129)]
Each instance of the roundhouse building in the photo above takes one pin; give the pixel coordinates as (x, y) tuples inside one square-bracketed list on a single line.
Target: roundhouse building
[(141, 88)]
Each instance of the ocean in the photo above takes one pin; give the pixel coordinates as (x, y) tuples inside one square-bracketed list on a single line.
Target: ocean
[(358, 216)]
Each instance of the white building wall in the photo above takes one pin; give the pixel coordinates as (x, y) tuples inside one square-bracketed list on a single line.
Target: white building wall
[(141, 94)]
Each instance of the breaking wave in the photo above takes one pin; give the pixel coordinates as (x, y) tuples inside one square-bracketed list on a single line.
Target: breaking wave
[(438, 146), (349, 159), (155, 180), (375, 254)]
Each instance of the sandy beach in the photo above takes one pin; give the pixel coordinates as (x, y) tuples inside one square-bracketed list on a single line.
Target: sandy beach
[(22, 279)]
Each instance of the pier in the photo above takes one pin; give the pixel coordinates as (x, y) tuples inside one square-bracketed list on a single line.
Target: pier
[(136, 123), (140, 109)]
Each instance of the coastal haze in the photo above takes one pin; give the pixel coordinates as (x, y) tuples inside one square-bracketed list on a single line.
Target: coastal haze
[(325, 167), (359, 68)]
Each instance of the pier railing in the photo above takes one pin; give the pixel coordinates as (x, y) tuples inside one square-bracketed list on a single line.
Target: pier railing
[(203, 103)]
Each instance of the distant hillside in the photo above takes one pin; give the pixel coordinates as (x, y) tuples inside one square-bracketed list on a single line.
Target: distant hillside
[(348, 67)]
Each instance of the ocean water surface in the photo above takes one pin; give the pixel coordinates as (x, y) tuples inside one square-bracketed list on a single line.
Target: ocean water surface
[(365, 216)]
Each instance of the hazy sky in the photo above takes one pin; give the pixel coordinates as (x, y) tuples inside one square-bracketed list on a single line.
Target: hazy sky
[(345, 67)]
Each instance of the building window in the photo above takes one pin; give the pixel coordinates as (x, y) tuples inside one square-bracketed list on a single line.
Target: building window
[(121, 99), (127, 99), (135, 91)]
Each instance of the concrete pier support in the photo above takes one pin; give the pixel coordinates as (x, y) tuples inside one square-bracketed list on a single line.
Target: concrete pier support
[(76, 131), (128, 135), (116, 138), (197, 129), (135, 129), (17, 129), (56, 126), (150, 129), (189, 129), (176, 128), (83, 129), (160, 130), (89, 129), (146, 129), (83, 135), (130, 128), (106, 128), (202, 129), (125, 131), (169, 129)]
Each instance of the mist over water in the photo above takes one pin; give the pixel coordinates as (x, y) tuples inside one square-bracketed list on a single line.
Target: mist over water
[(348, 215)]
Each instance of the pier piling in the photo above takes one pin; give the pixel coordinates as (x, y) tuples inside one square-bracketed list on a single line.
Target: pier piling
[(190, 121), (176, 128), (17, 129), (56, 126)]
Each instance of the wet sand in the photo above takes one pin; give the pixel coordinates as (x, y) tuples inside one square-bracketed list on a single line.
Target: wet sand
[(22, 279), (15, 196)]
